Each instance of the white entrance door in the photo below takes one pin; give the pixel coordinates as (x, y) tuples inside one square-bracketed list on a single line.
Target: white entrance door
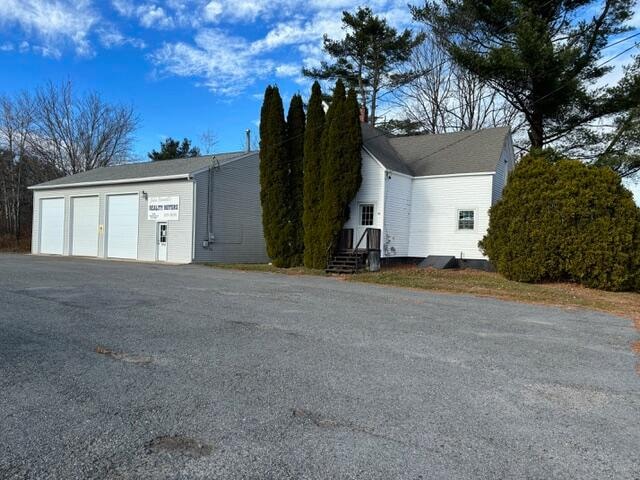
[(366, 219), (162, 242), (122, 226), (84, 226), (52, 225)]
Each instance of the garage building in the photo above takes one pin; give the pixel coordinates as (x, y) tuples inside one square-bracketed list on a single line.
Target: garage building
[(200, 209)]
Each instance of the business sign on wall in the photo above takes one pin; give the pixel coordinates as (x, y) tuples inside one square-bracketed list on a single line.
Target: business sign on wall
[(162, 209)]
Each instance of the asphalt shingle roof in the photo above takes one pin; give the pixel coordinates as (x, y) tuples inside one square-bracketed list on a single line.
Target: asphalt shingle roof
[(442, 154), (131, 171), (419, 155)]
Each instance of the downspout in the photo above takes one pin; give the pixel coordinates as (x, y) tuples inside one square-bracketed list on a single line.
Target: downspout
[(209, 207), (210, 190)]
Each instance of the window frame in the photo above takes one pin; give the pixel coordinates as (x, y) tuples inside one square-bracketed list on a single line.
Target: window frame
[(361, 207), (473, 219)]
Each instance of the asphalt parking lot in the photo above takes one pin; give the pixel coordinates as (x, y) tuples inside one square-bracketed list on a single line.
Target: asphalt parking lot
[(125, 370)]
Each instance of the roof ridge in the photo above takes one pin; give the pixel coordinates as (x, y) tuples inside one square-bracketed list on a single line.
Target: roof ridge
[(444, 134)]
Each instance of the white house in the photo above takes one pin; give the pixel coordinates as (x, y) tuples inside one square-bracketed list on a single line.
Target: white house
[(430, 195)]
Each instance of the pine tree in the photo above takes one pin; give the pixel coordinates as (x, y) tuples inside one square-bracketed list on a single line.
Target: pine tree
[(295, 149), (341, 144), (368, 56), (543, 56), (313, 179), (274, 178)]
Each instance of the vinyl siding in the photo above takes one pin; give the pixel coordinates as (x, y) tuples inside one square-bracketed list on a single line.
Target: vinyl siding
[(236, 215), (397, 210), (179, 232), (504, 166), (371, 191), (434, 215)]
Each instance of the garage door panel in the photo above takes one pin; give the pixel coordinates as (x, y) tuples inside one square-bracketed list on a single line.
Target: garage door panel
[(122, 226), (84, 230), (52, 226)]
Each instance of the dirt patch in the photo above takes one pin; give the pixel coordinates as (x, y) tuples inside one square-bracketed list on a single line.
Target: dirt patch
[(122, 356), (178, 445)]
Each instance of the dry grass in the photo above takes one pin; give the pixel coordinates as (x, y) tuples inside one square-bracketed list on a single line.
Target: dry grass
[(8, 243), (264, 267), (485, 284)]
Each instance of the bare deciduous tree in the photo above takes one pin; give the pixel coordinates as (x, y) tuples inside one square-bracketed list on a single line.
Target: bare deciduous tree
[(78, 134), (442, 97), (16, 122), (53, 133)]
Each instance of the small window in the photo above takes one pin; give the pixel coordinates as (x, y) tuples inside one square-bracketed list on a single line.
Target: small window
[(465, 219), (366, 214)]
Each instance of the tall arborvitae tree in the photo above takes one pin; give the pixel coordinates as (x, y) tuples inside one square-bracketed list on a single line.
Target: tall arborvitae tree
[(331, 141), (313, 180), (352, 157), (274, 179), (341, 143), (295, 149)]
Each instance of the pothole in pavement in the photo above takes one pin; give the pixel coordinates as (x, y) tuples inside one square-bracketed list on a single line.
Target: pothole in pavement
[(122, 356), (179, 445)]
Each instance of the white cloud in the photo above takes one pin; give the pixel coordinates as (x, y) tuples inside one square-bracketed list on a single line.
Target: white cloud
[(228, 64), (224, 63), (154, 16), (6, 47), (288, 70), (53, 23), (124, 7), (113, 38), (212, 11)]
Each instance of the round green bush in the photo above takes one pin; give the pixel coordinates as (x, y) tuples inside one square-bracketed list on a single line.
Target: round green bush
[(562, 220)]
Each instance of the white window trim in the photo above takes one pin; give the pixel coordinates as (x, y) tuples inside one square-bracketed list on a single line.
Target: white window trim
[(475, 220), (373, 214)]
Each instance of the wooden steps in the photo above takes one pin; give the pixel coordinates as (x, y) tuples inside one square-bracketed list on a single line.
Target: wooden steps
[(347, 261)]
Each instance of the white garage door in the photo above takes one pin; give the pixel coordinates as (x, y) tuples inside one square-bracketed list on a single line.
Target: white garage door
[(52, 225), (84, 229), (122, 226)]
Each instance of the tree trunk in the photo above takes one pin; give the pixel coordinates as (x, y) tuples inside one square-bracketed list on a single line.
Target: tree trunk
[(536, 130)]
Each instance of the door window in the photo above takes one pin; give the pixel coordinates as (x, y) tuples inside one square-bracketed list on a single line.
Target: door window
[(163, 233)]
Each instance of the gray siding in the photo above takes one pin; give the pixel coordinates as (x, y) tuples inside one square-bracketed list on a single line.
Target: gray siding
[(236, 215), (179, 232), (504, 166)]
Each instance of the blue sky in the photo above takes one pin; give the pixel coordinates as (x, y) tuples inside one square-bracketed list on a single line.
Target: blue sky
[(186, 66)]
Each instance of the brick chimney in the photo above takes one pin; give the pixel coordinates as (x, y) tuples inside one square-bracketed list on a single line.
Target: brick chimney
[(364, 114)]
